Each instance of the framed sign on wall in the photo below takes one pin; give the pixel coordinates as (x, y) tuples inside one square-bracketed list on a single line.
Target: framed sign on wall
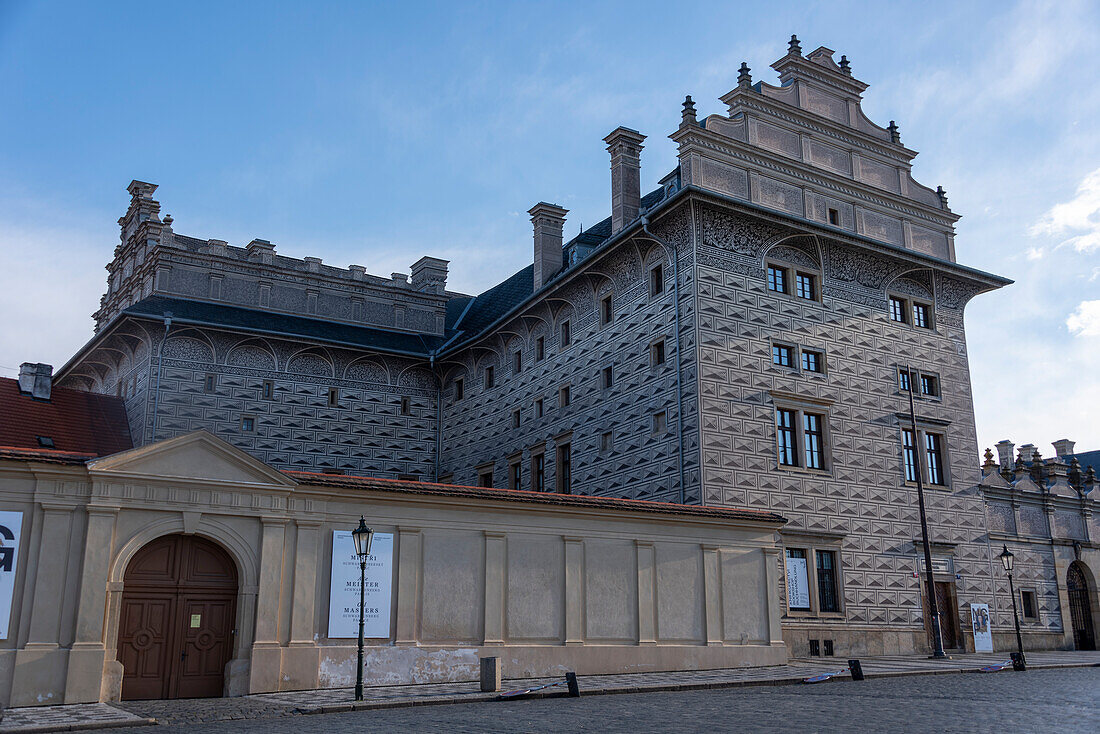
[(11, 526), (343, 607)]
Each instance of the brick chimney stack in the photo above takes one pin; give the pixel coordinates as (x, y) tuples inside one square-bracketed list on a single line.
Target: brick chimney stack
[(548, 221), (625, 147), (1063, 447), (36, 380)]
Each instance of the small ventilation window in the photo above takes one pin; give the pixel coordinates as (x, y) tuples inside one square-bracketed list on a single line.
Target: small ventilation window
[(45, 442), (834, 217), (406, 406)]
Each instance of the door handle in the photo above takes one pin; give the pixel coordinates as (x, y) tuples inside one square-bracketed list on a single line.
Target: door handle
[(183, 654)]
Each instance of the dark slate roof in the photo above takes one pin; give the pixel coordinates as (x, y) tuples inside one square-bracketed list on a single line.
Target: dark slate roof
[(1087, 459), (80, 423), (277, 324)]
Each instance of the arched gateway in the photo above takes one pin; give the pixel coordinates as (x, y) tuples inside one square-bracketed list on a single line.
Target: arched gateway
[(176, 623), (1080, 610)]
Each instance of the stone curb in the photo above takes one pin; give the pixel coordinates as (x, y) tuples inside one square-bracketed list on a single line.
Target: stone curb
[(81, 726)]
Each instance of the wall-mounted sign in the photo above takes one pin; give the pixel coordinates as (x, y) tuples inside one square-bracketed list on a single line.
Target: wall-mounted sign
[(940, 565), (11, 526), (343, 603), (196, 621), (979, 622), (798, 583)]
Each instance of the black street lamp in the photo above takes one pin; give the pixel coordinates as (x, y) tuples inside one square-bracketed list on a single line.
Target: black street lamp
[(1006, 561), (362, 536)]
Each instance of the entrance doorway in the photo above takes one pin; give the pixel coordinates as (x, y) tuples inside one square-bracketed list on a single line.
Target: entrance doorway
[(949, 619), (175, 634), (1080, 610)]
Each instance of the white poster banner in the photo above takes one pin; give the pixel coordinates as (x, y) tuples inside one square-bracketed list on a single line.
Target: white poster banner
[(11, 526), (343, 603), (798, 584), (979, 622)]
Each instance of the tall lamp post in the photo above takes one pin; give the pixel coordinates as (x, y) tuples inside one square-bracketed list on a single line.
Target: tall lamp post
[(362, 536), (933, 610), (1006, 561)]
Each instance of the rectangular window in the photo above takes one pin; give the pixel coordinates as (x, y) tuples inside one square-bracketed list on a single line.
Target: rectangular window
[(656, 280), (1029, 606), (660, 423), (929, 385), (785, 429), (563, 396), (798, 581), (460, 389), (909, 455), (118, 388), (333, 397), (406, 406), (211, 383), (516, 418), (485, 477), (777, 279), (517, 363), (538, 407), (903, 380), (490, 377), (782, 355), (514, 478), (897, 310), (657, 354), (540, 349), (813, 361), (538, 472), (813, 439), (248, 424), (565, 469), (827, 598), (607, 377), (804, 286), (934, 455), (922, 316), (834, 217), (607, 442), (565, 336), (268, 390), (606, 312)]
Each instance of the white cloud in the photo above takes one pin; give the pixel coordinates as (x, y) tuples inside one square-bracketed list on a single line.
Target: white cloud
[(1085, 319), (1081, 214), (1034, 253)]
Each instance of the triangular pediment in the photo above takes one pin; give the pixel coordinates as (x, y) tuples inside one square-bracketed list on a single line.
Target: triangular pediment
[(197, 456)]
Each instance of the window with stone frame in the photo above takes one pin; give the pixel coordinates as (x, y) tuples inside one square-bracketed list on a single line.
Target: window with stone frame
[(490, 377), (517, 362), (538, 407), (460, 389), (813, 361), (564, 396), (607, 442), (813, 571), (778, 277), (485, 475), (515, 473), (566, 333), (540, 349), (929, 385), (267, 390), (801, 432), (538, 471), (925, 452), (1029, 604), (783, 355), (922, 315), (607, 311), (564, 467), (805, 285), (248, 424), (210, 383), (406, 405), (607, 377), (898, 310), (516, 418), (660, 423), (657, 353), (656, 280)]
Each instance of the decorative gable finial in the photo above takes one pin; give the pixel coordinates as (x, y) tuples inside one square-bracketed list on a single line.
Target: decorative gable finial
[(744, 78), (845, 66), (1090, 480), (940, 192), (989, 463), (895, 136), (688, 113), (794, 47), (168, 220)]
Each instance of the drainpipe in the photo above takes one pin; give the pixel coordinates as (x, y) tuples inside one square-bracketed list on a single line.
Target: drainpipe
[(438, 417), (160, 370), (679, 361)]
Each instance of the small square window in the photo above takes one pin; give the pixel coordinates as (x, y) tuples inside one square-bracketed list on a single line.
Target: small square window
[(897, 310), (782, 355), (490, 377), (248, 424), (929, 386), (540, 349), (805, 286), (606, 311), (460, 388), (660, 423), (333, 397), (485, 477), (211, 383), (607, 442), (267, 391), (516, 418), (607, 378), (777, 279), (406, 406), (813, 361), (834, 217), (563, 397), (1029, 607), (656, 280), (538, 407), (565, 335), (657, 354), (517, 363), (922, 316)]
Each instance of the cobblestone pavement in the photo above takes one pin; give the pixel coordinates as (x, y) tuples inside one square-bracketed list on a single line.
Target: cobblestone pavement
[(1062, 700), (280, 705)]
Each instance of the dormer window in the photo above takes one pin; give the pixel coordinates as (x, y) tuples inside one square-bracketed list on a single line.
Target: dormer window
[(45, 442)]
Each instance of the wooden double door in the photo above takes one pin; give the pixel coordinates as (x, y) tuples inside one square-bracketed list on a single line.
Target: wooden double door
[(176, 623), (949, 618)]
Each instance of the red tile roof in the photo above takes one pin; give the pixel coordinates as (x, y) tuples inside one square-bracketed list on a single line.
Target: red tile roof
[(521, 495), (78, 422)]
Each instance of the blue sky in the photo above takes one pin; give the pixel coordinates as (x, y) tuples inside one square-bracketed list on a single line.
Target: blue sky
[(377, 133)]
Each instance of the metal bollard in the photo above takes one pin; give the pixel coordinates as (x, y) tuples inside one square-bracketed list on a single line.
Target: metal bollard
[(856, 668), (1018, 662), (490, 675), (571, 681)]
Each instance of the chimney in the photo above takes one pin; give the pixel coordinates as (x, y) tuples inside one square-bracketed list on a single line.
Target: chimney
[(429, 275), (1004, 454), (1063, 447), (625, 147), (548, 221), (36, 380)]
